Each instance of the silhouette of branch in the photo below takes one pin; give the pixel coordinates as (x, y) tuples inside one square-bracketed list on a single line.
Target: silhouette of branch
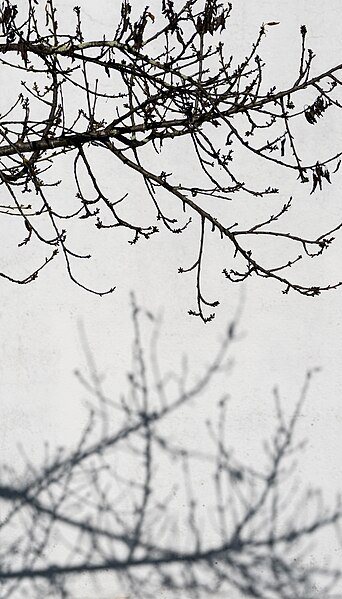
[(139, 499)]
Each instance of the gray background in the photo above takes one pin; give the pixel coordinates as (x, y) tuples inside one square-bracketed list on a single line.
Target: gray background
[(281, 336)]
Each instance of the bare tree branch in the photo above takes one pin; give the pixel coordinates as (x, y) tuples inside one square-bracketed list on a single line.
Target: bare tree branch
[(174, 83)]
